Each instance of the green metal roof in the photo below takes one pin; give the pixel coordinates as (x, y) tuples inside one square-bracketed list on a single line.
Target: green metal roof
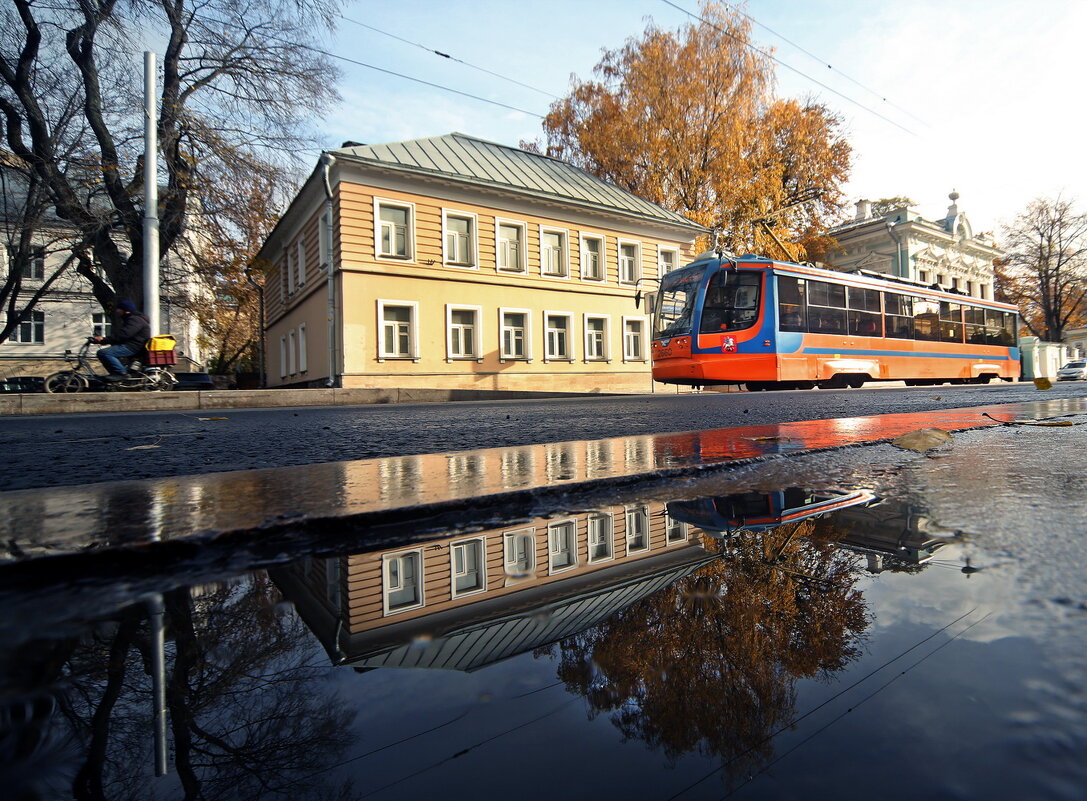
[(465, 159)]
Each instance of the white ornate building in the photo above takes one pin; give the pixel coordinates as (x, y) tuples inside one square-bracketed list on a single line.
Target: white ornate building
[(903, 244)]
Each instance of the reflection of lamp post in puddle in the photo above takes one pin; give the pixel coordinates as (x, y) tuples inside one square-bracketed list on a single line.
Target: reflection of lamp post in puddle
[(156, 611)]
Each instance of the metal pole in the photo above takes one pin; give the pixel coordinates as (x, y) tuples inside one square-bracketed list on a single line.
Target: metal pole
[(150, 194)]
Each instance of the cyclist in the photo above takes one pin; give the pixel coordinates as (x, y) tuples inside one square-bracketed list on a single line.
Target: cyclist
[(130, 332)]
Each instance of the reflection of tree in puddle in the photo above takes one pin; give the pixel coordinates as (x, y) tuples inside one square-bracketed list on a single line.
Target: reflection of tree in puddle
[(246, 717), (710, 664)]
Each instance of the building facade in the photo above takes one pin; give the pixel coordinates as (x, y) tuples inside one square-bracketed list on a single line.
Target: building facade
[(901, 243), (456, 263)]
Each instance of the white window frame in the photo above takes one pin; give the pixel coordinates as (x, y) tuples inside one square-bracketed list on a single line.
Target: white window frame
[(504, 357), (413, 330), (632, 513), (472, 262), (512, 569), (35, 268), (101, 324), (283, 356), (380, 202), (303, 360), (522, 245), (675, 531), (477, 331), (34, 324), (563, 252), (386, 587), (603, 266), (284, 277), (627, 356), (548, 356), (300, 262), (637, 265), (608, 521), (661, 250), (605, 345), (292, 346), (481, 544), (568, 524), (324, 240), (289, 260)]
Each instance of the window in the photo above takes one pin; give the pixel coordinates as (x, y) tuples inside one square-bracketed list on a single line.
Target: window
[(791, 305), (562, 545), (668, 260), (402, 578), (601, 537), (284, 277), (303, 360), (592, 258), (925, 319), (633, 339), (462, 325), (283, 357), (520, 553), (35, 270), (394, 235), (630, 269), (291, 350), (101, 325), (950, 322), (300, 262), (675, 530), (31, 331), (863, 317), (511, 247), (398, 330), (637, 529), (553, 253), (826, 308), (732, 301), (469, 567), (557, 336), (291, 269), (596, 338), (514, 323), (460, 239), (898, 319)]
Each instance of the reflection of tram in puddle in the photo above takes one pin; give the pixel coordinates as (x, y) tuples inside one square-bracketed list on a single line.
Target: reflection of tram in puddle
[(891, 534)]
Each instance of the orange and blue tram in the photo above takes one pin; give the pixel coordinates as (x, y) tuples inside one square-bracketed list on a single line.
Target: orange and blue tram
[(775, 325)]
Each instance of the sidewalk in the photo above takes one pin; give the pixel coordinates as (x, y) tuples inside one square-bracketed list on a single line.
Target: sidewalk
[(96, 402)]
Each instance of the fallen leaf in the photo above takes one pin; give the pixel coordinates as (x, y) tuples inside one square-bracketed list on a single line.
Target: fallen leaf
[(142, 447), (922, 440), (212, 418), (1043, 383)]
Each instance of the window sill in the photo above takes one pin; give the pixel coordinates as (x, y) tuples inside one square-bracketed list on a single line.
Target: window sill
[(398, 359), (452, 359), (506, 359)]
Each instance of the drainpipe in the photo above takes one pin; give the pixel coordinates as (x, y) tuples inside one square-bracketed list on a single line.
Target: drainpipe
[(327, 160), (898, 252)]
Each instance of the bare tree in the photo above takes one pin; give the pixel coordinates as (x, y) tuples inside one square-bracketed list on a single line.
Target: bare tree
[(238, 81), (1045, 272)]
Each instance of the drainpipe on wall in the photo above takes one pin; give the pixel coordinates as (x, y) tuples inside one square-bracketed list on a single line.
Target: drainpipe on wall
[(326, 165)]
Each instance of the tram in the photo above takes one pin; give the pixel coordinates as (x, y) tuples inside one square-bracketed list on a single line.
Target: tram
[(775, 325)]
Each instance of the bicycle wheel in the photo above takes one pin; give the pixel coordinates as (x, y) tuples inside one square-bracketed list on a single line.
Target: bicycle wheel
[(65, 381)]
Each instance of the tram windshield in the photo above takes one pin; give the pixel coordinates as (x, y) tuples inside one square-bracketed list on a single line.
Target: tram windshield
[(732, 301), (676, 302)]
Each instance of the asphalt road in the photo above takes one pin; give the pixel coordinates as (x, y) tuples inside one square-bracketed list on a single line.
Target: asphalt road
[(43, 451)]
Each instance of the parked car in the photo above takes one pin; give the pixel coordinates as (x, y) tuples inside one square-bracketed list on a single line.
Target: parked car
[(1073, 371), (194, 381), (22, 383)]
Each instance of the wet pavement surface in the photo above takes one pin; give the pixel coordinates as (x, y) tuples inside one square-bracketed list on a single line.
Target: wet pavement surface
[(859, 620)]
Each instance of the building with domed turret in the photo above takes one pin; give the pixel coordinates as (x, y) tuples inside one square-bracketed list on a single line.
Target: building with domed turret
[(901, 243)]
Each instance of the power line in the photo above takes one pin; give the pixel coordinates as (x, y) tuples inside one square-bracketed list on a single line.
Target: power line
[(816, 58), (778, 61), (447, 56)]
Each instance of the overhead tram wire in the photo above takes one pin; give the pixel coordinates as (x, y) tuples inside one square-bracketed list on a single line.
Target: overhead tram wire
[(816, 58), (447, 56), (801, 73)]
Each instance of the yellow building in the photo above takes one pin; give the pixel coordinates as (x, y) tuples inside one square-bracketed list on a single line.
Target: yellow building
[(455, 263)]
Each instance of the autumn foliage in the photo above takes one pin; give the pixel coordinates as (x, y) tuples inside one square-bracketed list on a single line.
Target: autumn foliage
[(688, 120)]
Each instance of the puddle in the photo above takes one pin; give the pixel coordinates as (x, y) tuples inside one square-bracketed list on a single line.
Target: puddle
[(769, 634)]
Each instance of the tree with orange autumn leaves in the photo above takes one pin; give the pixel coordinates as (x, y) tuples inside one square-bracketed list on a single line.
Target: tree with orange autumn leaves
[(710, 664), (688, 120)]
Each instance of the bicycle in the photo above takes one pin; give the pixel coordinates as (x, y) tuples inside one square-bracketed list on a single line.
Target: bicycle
[(82, 376)]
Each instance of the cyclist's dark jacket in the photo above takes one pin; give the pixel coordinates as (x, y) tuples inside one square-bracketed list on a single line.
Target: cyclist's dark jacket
[(134, 330)]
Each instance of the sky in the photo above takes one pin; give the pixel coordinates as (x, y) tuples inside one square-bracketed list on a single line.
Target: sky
[(977, 96)]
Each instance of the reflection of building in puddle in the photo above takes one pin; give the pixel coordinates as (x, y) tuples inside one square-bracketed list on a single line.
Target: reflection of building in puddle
[(892, 534), (465, 601)]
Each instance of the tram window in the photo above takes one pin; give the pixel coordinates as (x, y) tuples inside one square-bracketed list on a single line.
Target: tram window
[(1007, 333), (864, 324), (791, 293), (863, 299), (974, 318), (732, 301), (950, 322), (826, 308), (820, 293), (926, 320), (899, 319)]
